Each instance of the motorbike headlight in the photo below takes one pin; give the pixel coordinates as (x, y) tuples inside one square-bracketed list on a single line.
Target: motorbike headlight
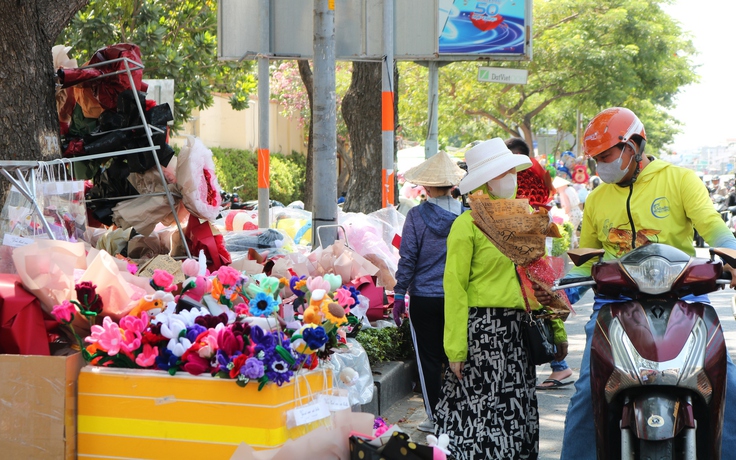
[(654, 275)]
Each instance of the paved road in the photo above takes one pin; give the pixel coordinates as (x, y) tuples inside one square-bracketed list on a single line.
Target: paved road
[(553, 403)]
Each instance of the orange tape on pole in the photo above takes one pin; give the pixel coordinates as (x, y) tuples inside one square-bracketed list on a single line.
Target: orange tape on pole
[(391, 192), (264, 174), (387, 111)]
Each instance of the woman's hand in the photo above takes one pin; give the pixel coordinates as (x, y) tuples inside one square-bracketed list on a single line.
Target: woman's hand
[(542, 296), (457, 369), (560, 351)]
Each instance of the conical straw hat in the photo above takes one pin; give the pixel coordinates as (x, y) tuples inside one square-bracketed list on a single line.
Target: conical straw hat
[(437, 171)]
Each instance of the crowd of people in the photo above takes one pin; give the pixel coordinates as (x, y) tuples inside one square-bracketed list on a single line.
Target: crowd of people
[(465, 301)]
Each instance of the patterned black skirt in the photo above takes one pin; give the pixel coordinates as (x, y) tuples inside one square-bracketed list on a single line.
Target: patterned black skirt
[(492, 413)]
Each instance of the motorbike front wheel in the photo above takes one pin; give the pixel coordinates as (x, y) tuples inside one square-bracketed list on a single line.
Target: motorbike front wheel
[(657, 450)]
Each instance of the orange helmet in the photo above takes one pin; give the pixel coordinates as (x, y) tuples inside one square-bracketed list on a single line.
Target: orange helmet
[(611, 127)]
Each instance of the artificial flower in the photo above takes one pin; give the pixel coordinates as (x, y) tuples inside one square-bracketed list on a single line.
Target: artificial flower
[(190, 268), (195, 364), (253, 368), (315, 337), (228, 275), (147, 357), (64, 313), (262, 305), (335, 281), (87, 296), (297, 284), (317, 283), (237, 364), (161, 281), (344, 297), (107, 337), (278, 371), (334, 313)]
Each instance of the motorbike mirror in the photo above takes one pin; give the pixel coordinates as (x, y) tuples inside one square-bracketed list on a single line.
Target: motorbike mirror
[(728, 255), (581, 255)]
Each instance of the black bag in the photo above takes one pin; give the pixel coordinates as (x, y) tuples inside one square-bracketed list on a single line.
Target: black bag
[(398, 447), (537, 333)]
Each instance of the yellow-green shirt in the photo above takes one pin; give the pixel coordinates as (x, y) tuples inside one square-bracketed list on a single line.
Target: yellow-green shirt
[(477, 274)]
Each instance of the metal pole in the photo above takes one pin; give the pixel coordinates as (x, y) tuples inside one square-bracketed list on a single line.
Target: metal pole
[(264, 93), (325, 124), (430, 145), (387, 105)]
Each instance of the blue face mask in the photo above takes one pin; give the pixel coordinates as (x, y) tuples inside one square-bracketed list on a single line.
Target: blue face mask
[(611, 173)]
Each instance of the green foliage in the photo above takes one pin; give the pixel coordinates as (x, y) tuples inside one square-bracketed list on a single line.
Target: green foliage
[(387, 344), (561, 245), (178, 40), (588, 55), (240, 167)]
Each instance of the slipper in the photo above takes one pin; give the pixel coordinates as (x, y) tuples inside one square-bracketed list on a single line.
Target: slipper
[(555, 384)]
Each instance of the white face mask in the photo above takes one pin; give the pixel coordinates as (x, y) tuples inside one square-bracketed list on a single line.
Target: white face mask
[(611, 173), (504, 187)]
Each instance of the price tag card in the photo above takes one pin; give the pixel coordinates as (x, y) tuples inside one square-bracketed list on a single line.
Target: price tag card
[(308, 413), (15, 241), (334, 402)]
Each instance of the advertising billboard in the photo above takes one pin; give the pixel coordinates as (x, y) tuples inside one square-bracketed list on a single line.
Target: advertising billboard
[(480, 28)]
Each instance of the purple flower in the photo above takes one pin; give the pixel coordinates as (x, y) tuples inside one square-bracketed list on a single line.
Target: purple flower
[(166, 360), (253, 368), (194, 331), (278, 371)]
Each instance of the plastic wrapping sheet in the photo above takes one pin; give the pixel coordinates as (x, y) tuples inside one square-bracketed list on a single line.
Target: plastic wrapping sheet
[(356, 358), (297, 223), (371, 236), (274, 241)]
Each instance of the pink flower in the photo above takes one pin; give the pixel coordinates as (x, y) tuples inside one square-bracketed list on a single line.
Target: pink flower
[(162, 278), (64, 313), (317, 282), (107, 336), (147, 357), (190, 267), (208, 343), (131, 328), (132, 268), (228, 276), (344, 297)]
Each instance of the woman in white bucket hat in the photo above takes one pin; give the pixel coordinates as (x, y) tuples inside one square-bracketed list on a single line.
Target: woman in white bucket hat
[(489, 404), (421, 267)]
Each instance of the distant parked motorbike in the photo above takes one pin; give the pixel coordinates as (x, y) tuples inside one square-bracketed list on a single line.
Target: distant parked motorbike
[(657, 362)]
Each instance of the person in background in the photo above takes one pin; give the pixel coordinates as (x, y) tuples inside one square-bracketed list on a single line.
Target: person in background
[(420, 270), (488, 406), (534, 183), (630, 201)]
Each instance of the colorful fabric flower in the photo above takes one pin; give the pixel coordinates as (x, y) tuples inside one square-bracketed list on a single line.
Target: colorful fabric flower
[(147, 357), (317, 282), (334, 313), (262, 305), (228, 275), (87, 296), (64, 313), (107, 337), (190, 268), (297, 285), (278, 371), (315, 337), (253, 368), (161, 281), (335, 281), (344, 297)]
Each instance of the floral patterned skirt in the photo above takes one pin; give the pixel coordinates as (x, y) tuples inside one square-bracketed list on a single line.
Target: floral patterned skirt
[(492, 413)]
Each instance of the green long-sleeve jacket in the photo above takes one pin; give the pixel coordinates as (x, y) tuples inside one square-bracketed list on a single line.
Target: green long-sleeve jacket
[(477, 274)]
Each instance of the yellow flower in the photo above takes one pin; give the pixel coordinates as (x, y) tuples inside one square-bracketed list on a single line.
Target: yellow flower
[(334, 313)]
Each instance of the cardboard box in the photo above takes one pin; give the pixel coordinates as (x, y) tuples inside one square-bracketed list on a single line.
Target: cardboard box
[(38, 397), (151, 414)]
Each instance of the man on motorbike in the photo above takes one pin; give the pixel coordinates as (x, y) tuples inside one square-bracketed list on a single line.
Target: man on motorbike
[(643, 200)]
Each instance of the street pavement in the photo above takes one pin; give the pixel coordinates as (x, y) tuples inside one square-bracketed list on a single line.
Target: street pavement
[(409, 412)]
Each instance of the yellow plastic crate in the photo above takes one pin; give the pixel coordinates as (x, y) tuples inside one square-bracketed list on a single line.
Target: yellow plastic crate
[(129, 413)]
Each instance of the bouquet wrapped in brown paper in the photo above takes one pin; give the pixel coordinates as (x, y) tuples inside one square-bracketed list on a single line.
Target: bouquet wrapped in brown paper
[(520, 234)]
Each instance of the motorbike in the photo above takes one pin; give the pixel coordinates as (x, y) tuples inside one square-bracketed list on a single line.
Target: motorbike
[(657, 362)]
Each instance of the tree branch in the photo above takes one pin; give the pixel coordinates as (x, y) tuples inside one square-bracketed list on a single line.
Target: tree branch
[(55, 15)]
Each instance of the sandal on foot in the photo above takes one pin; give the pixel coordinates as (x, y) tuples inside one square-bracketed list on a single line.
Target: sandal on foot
[(553, 383)]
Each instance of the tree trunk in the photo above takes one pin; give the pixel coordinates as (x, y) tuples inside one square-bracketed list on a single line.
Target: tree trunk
[(29, 124), (306, 73), (361, 110), (345, 154)]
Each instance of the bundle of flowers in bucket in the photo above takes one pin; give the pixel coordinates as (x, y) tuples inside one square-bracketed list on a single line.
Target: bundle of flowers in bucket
[(159, 377)]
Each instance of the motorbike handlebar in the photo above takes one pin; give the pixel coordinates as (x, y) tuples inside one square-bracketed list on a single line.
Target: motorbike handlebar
[(573, 282)]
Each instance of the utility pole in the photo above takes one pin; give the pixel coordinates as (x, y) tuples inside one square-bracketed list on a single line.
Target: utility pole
[(264, 96), (325, 125), (387, 105)]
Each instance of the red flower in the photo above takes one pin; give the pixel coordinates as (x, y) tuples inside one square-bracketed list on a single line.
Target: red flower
[(87, 296), (238, 362)]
